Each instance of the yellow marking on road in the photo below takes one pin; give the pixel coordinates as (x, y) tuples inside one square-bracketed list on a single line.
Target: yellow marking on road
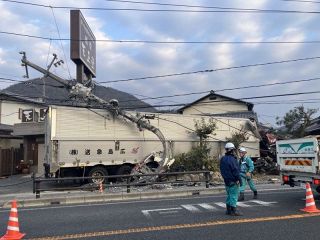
[(178, 226)]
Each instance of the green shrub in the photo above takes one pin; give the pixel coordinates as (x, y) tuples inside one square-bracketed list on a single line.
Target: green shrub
[(198, 158)]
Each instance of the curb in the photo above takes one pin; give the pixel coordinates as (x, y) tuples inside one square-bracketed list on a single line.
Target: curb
[(107, 197)]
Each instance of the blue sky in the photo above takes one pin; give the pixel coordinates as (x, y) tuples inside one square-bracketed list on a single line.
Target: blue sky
[(130, 60)]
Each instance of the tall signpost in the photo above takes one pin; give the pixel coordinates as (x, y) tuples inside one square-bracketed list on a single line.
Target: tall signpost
[(83, 48)]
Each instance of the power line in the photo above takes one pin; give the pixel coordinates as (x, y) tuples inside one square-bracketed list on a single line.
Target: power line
[(193, 93), (217, 9), (289, 102), (228, 89), (10, 75), (64, 54), (305, 1), (212, 70), (10, 80), (159, 42), (244, 98), (185, 104), (30, 83)]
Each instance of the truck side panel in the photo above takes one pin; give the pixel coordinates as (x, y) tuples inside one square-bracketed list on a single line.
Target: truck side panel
[(82, 137)]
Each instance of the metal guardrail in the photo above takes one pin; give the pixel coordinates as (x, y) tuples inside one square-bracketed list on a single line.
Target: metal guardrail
[(128, 181)]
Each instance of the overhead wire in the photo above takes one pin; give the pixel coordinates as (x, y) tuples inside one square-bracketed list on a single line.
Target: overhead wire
[(10, 79), (212, 70), (210, 102), (158, 42), (213, 9), (64, 54), (304, 1), (242, 98), (228, 89)]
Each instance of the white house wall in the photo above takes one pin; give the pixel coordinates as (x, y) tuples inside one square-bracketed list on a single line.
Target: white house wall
[(10, 111), (222, 105)]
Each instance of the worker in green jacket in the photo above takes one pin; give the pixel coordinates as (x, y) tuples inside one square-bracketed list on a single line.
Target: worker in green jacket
[(246, 171)]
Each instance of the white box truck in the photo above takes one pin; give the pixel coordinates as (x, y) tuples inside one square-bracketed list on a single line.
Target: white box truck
[(94, 142), (298, 160)]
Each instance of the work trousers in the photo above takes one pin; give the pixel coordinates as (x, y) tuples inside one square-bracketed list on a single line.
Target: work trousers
[(232, 195), (244, 180)]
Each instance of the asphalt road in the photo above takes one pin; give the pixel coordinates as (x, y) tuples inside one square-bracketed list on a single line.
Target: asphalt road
[(275, 215)]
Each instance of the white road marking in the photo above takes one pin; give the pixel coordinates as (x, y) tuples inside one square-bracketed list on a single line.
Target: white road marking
[(220, 204), (191, 208), (263, 203), (242, 204), (207, 206), (168, 212), (147, 212)]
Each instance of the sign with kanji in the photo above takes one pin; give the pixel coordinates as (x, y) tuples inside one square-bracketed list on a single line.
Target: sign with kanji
[(42, 114), (83, 42), (27, 115)]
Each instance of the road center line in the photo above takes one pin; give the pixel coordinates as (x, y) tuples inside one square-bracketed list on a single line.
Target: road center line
[(178, 226)]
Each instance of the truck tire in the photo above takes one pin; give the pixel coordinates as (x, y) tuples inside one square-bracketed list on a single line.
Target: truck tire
[(153, 165), (97, 173), (124, 170)]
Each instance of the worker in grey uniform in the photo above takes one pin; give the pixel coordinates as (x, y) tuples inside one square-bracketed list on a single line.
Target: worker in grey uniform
[(246, 171)]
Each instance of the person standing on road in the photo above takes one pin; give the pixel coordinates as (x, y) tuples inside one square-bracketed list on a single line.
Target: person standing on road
[(230, 172), (246, 171)]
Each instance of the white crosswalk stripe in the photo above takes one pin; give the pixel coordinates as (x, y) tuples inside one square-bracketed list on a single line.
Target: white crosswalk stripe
[(207, 206), (263, 203), (242, 204), (220, 204), (191, 208), (204, 207)]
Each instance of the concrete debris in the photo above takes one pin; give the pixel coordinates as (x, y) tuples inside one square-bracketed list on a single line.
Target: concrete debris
[(274, 180), (266, 165)]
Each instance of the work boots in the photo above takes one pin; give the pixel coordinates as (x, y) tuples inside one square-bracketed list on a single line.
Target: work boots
[(235, 212), (228, 212), (255, 194), (241, 197)]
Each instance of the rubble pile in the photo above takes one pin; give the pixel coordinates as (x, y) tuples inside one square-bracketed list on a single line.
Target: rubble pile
[(266, 165)]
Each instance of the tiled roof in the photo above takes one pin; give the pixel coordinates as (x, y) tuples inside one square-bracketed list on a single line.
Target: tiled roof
[(213, 94), (50, 92)]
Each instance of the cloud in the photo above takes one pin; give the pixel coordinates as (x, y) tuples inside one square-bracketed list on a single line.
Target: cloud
[(2, 56), (130, 60)]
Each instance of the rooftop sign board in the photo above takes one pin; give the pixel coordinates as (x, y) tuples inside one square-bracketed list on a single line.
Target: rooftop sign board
[(83, 42)]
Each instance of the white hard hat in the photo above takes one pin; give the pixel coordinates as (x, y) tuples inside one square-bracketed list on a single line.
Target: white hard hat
[(229, 145), (242, 149)]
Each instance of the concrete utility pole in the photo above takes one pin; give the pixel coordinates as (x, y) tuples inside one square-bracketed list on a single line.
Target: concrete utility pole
[(85, 93)]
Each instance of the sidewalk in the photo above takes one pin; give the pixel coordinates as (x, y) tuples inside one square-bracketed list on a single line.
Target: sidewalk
[(19, 187)]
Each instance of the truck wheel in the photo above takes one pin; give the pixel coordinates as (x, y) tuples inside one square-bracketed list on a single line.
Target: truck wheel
[(123, 170), (153, 165), (97, 174)]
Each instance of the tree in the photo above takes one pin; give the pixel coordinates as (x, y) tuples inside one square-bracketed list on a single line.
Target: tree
[(198, 157), (296, 120), (238, 137), (203, 129)]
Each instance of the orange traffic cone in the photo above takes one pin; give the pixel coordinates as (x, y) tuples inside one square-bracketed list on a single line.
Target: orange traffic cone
[(13, 224), (101, 188), (310, 204)]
